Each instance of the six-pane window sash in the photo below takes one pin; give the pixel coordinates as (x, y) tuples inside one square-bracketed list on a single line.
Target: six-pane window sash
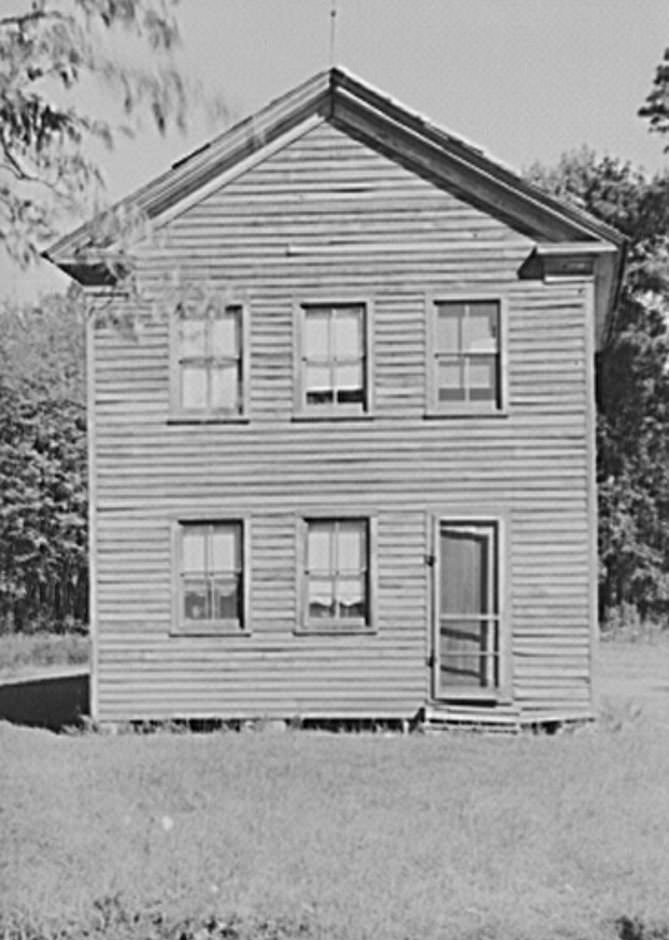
[(334, 357), (469, 619), (336, 576), (210, 361), (211, 576), (467, 367)]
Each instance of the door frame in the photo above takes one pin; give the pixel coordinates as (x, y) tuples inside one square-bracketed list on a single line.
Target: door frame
[(456, 516)]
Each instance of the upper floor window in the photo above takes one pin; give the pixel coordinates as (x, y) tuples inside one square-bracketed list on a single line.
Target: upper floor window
[(334, 359), (209, 362), (210, 572), (466, 353)]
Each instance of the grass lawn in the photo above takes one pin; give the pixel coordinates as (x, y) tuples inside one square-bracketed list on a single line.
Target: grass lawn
[(304, 835), (26, 652)]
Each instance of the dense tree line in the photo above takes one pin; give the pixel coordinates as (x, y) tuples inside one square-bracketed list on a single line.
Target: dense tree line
[(43, 510), (632, 382)]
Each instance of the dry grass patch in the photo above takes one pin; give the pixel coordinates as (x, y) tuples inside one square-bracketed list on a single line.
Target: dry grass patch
[(349, 837), (26, 652), (634, 677)]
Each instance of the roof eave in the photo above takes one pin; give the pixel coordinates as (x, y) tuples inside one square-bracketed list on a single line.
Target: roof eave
[(383, 104), (92, 271)]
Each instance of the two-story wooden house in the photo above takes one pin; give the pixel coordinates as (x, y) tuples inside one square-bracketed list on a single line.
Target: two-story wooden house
[(356, 479)]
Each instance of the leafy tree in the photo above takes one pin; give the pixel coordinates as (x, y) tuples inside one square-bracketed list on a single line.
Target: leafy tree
[(632, 380), (656, 105), (43, 510), (42, 350), (52, 52)]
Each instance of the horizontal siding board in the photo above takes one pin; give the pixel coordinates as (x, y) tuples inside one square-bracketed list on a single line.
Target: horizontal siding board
[(377, 231)]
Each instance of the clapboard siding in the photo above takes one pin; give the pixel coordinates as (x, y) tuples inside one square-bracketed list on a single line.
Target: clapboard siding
[(376, 231)]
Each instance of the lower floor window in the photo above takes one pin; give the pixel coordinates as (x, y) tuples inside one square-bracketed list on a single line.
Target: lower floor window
[(336, 576), (210, 576), (469, 622)]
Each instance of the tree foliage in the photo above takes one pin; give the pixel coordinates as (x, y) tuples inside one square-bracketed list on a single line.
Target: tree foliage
[(43, 510), (52, 53), (632, 380), (656, 106)]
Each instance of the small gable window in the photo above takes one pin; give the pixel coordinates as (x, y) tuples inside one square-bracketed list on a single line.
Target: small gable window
[(333, 363), (209, 362), (466, 356)]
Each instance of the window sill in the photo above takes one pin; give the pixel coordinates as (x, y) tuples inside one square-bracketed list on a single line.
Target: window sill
[(224, 630), (476, 696), (334, 629), (209, 418), (466, 413), (307, 416)]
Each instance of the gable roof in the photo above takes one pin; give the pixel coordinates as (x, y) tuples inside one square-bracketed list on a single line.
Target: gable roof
[(378, 121)]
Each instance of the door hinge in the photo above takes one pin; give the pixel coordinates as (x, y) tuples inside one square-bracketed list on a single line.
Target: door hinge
[(430, 560)]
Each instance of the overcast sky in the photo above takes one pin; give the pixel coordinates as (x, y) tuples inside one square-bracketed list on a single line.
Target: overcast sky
[(524, 79)]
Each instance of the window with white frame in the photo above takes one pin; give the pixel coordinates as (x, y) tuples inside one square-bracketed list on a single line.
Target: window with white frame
[(209, 361), (333, 358), (466, 353), (210, 562), (337, 577)]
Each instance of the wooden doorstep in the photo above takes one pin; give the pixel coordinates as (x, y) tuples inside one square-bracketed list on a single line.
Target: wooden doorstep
[(504, 718)]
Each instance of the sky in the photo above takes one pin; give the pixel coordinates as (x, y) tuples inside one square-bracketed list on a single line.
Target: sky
[(525, 79)]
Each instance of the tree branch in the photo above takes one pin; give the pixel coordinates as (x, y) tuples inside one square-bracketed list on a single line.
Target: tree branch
[(22, 19), (14, 166)]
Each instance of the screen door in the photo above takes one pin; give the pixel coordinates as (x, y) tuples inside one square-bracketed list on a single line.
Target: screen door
[(466, 655)]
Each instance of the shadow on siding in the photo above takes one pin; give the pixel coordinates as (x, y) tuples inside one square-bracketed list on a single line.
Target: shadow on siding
[(53, 702)]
